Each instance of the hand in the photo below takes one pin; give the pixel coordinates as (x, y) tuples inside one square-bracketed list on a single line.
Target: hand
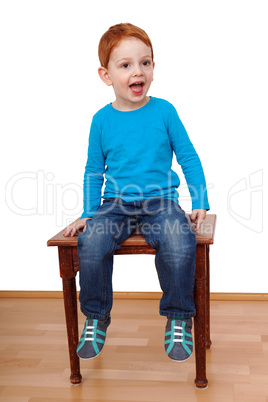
[(197, 216), (71, 229)]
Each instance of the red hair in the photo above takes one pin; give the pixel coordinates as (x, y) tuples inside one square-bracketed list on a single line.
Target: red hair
[(111, 39)]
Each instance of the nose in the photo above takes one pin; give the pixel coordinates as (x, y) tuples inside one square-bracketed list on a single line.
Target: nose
[(137, 70)]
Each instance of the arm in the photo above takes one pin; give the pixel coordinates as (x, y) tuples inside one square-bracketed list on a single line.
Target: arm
[(191, 166)]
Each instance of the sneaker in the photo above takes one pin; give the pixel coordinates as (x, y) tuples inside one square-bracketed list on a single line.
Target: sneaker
[(178, 339), (92, 339)]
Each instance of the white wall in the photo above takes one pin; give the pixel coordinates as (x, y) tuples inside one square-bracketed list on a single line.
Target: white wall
[(211, 63)]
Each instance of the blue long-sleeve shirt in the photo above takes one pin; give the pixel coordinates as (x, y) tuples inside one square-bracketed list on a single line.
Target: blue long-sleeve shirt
[(134, 150)]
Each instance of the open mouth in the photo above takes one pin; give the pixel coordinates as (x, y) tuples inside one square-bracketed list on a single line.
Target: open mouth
[(137, 87)]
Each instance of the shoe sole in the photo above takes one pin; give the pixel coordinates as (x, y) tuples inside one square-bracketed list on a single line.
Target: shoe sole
[(179, 361), (89, 358)]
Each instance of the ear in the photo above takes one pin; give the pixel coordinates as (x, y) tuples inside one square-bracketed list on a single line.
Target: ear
[(104, 76), (153, 69)]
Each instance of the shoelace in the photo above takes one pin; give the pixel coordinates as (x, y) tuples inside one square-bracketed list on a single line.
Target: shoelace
[(178, 334), (89, 333)]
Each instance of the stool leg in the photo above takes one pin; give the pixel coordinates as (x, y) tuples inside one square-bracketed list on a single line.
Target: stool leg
[(200, 318), (208, 340), (70, 304)]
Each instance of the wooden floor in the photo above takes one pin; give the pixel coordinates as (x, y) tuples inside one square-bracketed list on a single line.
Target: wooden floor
[(133, 365)]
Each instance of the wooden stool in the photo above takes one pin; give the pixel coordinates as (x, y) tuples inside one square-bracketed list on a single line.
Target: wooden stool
[(136, 244)]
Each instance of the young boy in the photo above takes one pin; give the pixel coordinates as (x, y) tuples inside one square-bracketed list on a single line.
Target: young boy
[(132, 141)]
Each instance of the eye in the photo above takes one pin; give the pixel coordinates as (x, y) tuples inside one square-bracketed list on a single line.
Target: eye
[(146, 62), (125, 65)]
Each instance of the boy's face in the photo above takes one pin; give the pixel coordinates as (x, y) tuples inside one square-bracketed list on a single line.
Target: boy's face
[(130, 62)]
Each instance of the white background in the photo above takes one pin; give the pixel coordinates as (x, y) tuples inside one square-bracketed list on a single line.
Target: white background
[(211, 63)]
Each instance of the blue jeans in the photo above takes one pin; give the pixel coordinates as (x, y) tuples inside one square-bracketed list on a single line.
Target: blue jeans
[(166, 229)]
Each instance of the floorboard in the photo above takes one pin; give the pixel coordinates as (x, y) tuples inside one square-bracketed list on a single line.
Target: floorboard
[(34, 363)]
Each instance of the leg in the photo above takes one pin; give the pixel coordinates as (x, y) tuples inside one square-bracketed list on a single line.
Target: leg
[(200, 318), (96, 246), (208, 340), (168, 231), (70, 304), (175, 244)]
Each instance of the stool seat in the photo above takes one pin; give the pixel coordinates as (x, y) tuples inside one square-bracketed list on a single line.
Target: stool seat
[(136, 244), (205, 235)]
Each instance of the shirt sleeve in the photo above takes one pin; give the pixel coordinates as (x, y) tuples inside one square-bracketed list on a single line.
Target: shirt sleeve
[(94, 172), (189, 161)]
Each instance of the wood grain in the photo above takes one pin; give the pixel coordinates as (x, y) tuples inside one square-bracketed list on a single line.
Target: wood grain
[(133, 365)]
